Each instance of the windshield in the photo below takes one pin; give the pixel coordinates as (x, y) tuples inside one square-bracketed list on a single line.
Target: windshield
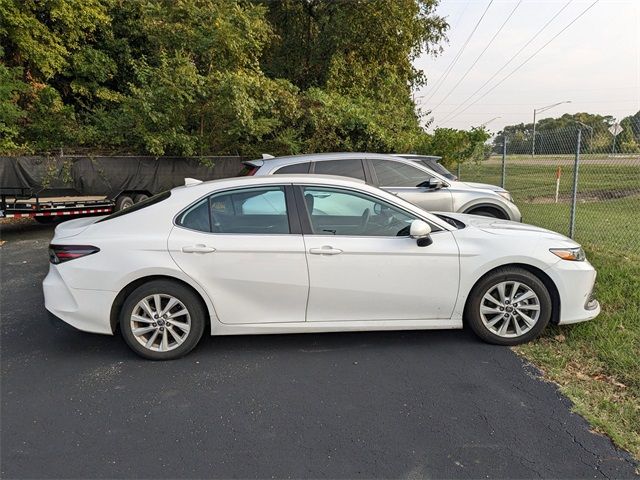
[(439, 168)]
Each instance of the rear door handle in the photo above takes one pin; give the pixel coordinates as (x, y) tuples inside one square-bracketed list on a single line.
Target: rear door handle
[(200, 248), (325, 250)]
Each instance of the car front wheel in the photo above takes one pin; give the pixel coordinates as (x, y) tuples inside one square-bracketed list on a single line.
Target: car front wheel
[(509, 306), (162, 320)]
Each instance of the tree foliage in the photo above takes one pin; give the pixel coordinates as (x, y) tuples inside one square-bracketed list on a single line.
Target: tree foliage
[(194, 77), (558, 135), (458, 146)]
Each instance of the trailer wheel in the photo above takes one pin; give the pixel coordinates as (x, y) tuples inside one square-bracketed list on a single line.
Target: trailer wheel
[(140, 197), (48, 220), (123, 202)]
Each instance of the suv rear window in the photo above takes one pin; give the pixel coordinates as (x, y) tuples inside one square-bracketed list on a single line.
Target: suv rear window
[(139, 206), (247, 170), (294, 168)]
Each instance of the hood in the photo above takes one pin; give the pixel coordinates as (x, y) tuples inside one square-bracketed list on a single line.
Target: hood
[(71, 228), (484, 186), (504, 227)]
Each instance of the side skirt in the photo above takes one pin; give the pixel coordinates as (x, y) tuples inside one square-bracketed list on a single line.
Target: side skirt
[(318, 327)]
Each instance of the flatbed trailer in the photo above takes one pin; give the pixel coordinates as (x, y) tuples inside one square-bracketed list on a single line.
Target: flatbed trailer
[(26, 204), (50, 189)]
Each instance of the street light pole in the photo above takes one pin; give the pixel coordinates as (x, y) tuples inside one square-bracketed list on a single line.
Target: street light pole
[(533, 142), (536, 111), (488, 122)]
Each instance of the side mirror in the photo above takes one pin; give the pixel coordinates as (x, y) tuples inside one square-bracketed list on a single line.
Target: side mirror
[(431, 184), (421, 230), (435, 184)]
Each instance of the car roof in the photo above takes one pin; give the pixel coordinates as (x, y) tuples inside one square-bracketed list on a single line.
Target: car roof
[(319, 157), (276, 179), (417, 157)]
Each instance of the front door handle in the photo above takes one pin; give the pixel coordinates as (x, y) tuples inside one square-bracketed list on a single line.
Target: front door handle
[(199, 248), (325, 250)]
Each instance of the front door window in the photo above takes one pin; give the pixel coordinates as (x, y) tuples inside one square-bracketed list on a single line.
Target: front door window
[(333, 211)]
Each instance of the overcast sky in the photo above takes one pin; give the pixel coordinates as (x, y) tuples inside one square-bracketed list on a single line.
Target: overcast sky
[(595, 63)]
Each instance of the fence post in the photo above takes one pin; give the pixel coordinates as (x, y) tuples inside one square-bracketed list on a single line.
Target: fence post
[(574, 193), (504, 160)]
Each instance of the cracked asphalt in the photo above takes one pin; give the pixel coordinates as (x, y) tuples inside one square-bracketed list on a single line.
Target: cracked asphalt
[(358, 405)]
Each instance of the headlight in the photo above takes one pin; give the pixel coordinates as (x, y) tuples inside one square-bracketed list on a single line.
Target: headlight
[(506, 195), (572, 254)]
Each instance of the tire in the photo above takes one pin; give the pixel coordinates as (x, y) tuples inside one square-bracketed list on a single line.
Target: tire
[(123, 202), (164, 345), (487, 212), (488, 317), (140, 197), (49, 220)]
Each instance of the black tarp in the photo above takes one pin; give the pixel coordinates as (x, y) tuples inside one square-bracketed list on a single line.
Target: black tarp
[(109, 176)]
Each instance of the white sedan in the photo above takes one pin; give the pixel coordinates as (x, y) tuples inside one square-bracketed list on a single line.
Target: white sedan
[(307, 253)]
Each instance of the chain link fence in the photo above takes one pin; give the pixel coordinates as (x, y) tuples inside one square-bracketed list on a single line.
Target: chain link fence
[(581, 181)]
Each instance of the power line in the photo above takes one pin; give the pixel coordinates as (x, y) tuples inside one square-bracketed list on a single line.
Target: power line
[(536, 35), (529, 103), (455, 24), (479, 56), (525, 62), (441, 80)]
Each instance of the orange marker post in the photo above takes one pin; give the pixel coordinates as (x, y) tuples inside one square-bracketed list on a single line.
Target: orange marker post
[(558, 174)]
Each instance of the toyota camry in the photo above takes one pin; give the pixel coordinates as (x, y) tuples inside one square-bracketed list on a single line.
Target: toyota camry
[(307, 253)]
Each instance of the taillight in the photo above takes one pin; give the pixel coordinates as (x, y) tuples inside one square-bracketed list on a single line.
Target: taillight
[(64, 253)]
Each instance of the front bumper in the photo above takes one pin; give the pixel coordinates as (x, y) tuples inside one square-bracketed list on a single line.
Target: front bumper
[(575, 282)]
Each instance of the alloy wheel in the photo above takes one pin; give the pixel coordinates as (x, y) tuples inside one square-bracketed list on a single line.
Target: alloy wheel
[(510, 309), (160, 322)]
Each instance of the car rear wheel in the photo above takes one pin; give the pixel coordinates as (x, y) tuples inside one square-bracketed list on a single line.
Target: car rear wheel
[(162, 320), (509, 306)]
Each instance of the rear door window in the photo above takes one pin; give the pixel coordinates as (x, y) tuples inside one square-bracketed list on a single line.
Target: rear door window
[(345, 168), (260, 210)]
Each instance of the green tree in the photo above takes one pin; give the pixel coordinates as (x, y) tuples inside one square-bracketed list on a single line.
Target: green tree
[(213, 76), (11, 86), (458, 146)]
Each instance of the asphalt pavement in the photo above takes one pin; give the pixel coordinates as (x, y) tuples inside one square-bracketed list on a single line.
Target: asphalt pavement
[(358, 405)]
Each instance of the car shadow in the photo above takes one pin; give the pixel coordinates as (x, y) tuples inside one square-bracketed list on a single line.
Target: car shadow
[(61, 339)]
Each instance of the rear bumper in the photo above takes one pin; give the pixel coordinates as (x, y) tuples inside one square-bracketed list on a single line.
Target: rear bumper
[(57, 322), (86, 310)]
